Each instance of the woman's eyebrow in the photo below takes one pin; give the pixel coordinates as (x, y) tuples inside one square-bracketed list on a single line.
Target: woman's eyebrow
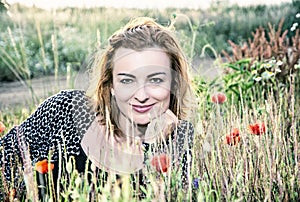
[(125, 74), (154, 74)]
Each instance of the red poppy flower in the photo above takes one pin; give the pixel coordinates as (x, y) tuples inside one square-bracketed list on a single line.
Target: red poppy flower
[(2, 127), (42, 166), (233, 138), (218, 98), (257, 128), (161, 163), (235, 132)]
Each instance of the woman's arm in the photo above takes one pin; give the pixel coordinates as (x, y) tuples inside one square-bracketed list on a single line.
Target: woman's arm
[(180, 149)]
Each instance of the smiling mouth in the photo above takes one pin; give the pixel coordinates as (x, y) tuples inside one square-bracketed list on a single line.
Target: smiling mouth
[(142, 108)]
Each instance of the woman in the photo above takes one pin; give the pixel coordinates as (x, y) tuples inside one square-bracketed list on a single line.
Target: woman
[(136, 107)]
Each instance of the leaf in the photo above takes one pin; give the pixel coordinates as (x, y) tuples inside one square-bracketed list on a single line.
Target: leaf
[(235, 92), (244, 61), (248, 85), (232, 67), (233, 84)]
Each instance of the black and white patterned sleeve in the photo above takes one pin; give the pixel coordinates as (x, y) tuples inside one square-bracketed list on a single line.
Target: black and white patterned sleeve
[(184, 144)]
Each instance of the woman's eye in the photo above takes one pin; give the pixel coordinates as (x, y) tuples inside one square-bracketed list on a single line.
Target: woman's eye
[(156, 80), (126, 81)]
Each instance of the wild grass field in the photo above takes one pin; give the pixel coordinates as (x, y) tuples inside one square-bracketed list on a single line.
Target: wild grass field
[(246, 145)]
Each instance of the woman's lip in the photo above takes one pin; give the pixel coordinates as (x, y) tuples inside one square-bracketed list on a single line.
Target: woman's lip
[(142, 108)]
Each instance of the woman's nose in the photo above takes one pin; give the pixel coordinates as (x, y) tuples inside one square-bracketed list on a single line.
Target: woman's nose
[(141, 94)]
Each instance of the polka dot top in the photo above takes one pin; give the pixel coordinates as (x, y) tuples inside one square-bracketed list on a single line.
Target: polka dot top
[(56, 129)]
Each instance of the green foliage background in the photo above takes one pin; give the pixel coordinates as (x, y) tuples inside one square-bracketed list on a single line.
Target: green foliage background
[(35, 42)]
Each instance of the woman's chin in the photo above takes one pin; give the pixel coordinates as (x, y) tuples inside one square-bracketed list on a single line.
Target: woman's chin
[(142, 122)]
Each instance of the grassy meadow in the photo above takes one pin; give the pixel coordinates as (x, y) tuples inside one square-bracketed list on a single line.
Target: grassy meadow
[(246, 145)]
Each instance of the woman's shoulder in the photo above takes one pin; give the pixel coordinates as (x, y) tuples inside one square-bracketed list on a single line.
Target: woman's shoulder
[(69, 99), (65, 106), (70, 93)]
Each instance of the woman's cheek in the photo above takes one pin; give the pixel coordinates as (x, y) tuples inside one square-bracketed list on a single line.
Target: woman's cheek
[(162, 99), (160, 94), (124, 94)]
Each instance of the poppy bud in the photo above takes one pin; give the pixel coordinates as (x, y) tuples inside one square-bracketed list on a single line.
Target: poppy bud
[(218, 98), (161, 163), (2, 127)]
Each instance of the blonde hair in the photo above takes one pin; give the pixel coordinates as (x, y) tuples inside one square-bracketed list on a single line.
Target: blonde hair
[(139, 34)]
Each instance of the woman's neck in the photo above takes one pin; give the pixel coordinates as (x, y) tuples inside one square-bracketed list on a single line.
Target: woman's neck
[(131, 129)]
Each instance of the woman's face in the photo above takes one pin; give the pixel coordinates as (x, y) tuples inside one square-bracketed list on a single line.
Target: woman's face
[(141, 83)]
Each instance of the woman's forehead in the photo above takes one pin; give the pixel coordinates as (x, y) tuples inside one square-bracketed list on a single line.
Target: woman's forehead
[(130, 60)]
